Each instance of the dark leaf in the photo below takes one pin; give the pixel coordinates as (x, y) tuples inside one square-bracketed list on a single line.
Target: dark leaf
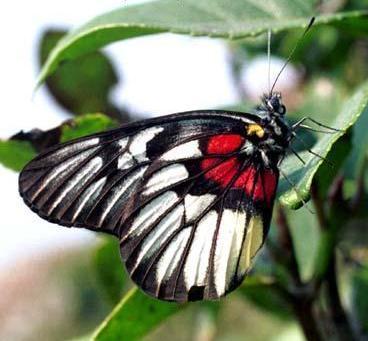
[(360, 297), (84, 85), (265, 294)]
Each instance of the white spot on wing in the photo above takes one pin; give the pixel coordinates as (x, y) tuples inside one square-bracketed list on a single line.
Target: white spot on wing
[(248, 148), (71, 149), (167, 226), (125, 161), (78, 180), (127, 183), (149, 213), (228, 247), (196, 265), (171, 257), (138, 146), (195, 205), (63, 169), (165, 177), (186, 150), (265, 158), (123, 142), (94, 189)]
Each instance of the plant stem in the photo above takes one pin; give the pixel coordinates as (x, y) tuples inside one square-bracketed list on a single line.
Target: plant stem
[(338, 316), (300, 297), (303, 309), (286, 245), (326, 267), (356, 200)]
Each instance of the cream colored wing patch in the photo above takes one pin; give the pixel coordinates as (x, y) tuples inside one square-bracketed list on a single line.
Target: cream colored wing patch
[(252, 243)]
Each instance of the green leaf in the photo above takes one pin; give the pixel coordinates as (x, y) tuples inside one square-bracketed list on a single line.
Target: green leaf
[(109, 269), (329, 170), (359, 153), (84, 85), (215, 18), (15, 154), (360, 298), (86, 125), (302, 175), (305, 234), (135, 316), (266, 295)]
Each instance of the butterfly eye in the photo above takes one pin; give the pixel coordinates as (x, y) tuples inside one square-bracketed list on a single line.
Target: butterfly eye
[(269, 105), (282, 110), (275, 103)]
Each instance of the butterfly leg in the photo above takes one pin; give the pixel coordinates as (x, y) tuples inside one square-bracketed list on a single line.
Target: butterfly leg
[(301, 125), (310, 150)]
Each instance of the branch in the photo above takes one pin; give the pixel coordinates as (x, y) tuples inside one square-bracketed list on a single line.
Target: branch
[(326, 261), (300, 295), (286, 245), (338, 315), (303, 309), (356, 200)]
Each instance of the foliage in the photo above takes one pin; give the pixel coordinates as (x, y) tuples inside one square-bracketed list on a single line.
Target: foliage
[(134, 317), (82, 86), (15, 154), (360, 280), (303, 248), (108, 270)]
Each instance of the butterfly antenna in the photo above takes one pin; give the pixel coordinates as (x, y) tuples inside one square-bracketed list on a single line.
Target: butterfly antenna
[(269, 59), (292, 53)]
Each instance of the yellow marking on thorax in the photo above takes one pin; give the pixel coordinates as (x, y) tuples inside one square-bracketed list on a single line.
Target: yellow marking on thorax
[(255, 129)]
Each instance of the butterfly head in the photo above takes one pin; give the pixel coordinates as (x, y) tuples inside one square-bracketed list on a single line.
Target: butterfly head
[(273, 104)]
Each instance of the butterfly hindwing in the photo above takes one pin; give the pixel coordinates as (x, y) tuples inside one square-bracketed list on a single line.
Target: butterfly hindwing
[(198, 221), (190, 210)]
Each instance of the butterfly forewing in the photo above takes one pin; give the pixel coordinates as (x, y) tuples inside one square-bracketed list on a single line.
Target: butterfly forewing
[(189, 205)]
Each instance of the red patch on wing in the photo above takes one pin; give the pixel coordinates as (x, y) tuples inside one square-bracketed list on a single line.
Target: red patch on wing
[(224, 144), (254, 186), (225, 171), (270, 184)]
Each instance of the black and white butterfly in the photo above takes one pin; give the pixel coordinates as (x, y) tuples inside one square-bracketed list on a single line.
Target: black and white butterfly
[(188, 195)]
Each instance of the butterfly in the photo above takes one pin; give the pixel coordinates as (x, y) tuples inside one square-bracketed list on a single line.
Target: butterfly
[(188, 195)]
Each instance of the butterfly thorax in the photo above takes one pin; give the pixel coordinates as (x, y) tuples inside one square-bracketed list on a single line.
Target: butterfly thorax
[(272, 139)]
